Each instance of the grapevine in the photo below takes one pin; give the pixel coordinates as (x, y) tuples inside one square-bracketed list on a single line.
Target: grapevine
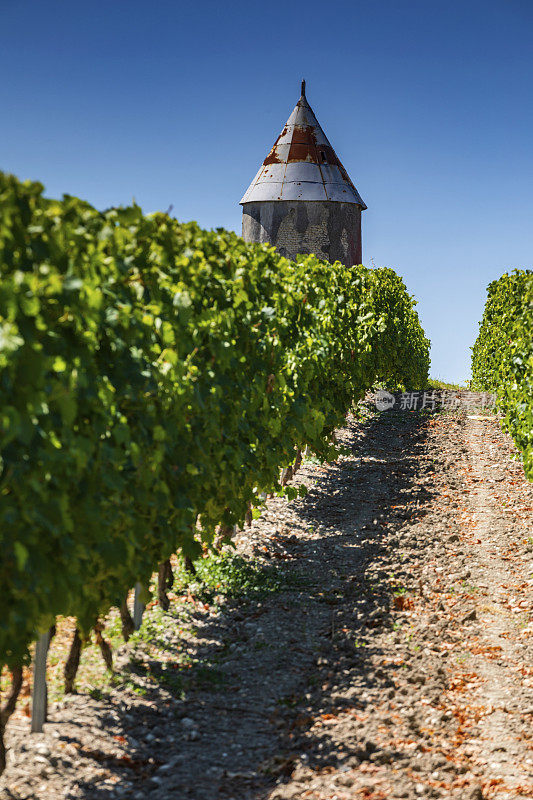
[(502, 357), (154, 378)]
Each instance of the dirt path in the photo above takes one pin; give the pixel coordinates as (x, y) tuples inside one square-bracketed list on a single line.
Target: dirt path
[(394, 660), (505, 665)]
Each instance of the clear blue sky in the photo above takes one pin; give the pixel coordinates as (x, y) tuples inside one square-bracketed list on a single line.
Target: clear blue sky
[(428, 104)]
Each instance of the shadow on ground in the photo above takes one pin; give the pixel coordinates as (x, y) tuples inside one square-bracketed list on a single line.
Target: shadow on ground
[(232, 710)]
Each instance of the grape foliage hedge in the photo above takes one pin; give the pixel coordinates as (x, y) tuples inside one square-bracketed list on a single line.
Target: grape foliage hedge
[(502, 357), (154, 374)]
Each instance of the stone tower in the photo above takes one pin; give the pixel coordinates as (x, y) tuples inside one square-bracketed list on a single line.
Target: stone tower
[(302, 200)]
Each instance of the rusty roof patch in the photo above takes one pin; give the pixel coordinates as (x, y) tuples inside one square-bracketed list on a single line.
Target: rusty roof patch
[(272, 157)]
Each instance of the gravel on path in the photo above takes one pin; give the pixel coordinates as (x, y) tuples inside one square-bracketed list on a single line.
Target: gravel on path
[(395, 660)]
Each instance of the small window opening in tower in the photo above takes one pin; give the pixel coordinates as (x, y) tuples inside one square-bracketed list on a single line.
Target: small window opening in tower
[(323, 157)]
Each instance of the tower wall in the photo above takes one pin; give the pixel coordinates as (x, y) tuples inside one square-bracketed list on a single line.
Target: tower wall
[(330, 230)]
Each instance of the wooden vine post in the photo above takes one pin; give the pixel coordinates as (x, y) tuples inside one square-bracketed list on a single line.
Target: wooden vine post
[(138, 607), (39, 690), (288, 473)]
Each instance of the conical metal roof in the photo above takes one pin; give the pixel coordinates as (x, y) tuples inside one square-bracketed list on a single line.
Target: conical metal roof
[(302, 165)]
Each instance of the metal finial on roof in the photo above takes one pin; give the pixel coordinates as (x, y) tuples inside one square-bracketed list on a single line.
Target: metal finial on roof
[(303, 88)]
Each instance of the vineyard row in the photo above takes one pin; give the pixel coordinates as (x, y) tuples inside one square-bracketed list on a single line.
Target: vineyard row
[(155, 377), (502, 357)]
